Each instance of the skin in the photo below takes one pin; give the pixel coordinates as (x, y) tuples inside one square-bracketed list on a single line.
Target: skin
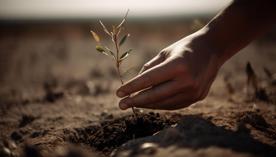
[(182, 73)]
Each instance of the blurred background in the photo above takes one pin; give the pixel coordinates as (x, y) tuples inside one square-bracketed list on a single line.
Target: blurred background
[(89, 9), (44, 41)]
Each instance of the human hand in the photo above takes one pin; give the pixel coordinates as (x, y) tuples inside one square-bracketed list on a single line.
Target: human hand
[(178, 76)]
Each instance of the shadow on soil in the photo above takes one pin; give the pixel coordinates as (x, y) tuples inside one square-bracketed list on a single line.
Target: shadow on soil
[(195, 132)]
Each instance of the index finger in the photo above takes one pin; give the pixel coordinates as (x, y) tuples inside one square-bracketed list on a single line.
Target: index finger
[(160, 73)]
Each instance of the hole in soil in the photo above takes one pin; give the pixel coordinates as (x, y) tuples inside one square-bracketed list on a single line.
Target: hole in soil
[(113, 133)]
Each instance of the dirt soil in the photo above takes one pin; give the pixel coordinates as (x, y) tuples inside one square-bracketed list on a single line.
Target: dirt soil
[(63, 104)]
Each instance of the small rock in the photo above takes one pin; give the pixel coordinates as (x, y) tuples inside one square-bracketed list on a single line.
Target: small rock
[(149, 148), (5, 152), (9, 144), (255, 108), (13, 145)]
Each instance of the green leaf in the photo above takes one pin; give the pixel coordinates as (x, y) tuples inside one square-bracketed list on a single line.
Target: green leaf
[(123, 39), (95, 36), (101, 49), (125, 55)]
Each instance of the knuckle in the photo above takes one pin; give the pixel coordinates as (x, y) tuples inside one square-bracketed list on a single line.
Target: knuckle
[(146, 66), (162, 52)]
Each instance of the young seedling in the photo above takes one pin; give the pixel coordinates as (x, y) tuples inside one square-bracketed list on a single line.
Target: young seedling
[(114, 35)]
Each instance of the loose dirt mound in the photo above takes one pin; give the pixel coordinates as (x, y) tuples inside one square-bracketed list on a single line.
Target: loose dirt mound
[(112, 133)]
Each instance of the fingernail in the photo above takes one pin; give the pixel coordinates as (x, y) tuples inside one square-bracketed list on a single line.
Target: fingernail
[(123, 106), (120, 94)]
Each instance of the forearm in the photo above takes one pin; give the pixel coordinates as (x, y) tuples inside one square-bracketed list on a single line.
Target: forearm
[(237, 25)]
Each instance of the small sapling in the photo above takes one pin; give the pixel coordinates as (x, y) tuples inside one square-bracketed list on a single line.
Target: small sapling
[(117, 41)]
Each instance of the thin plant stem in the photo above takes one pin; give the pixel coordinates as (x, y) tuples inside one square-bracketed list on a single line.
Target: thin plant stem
[(118, 67)]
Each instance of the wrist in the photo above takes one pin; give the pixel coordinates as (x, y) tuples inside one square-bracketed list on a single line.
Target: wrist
[(206, 48)]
